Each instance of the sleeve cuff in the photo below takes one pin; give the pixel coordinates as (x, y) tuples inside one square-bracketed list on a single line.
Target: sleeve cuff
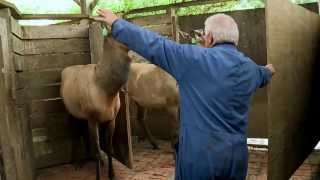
[(117, 27)]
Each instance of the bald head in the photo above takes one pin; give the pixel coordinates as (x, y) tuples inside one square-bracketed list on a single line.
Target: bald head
[(223, 29)]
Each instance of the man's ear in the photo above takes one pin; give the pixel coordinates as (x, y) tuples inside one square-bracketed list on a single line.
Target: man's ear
[(212, 40)]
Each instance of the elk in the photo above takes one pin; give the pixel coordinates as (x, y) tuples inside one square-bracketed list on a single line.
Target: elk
[(151, 87), (91, 93)]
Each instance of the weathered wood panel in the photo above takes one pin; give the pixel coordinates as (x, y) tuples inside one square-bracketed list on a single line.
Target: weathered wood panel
[(39, 78), (96, 42), (16, 28), (152, 20), (48, 46), (44, 92), (56, 31), (293, 35), (15, 129), (45, 107), (53, 61), (165, 30), (18, 45)]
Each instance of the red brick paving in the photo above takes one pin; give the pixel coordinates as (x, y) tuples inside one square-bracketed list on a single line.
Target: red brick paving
[(148, 165)]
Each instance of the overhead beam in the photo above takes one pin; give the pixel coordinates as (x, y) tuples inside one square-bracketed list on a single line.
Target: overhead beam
[(77, 2), (52, 16), (176, 5)]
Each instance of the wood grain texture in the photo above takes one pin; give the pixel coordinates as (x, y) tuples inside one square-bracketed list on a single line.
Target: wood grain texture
[(53, 61), (32, 47), (151, 20), (16, 28), (293, 35), (15, 129), (56, 31), (165, 30), (96, 42)]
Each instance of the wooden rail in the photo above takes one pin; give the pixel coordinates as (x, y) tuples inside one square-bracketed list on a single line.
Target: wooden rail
[(176, 5)]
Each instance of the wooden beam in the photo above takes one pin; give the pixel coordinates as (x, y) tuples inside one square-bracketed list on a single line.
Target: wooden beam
[(84, 8), (177, 5), (56, 32), (96, 42), (14, 10), (77, 2), (52, 16)]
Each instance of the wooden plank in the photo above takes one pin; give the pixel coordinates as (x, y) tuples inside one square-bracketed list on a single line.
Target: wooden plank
[(18, 45), (84, 7), (14, 127), (39, 78), (165, 30), (32, 47), (16, 28), (44, 107), (176, 5), (54, 61), (18, 62), (56, 31), (174, 24), (60, 118), (122, 144), (151, 20), (44, 92), (52, 16), (293, 35), (51, 153), (96, 42), (14, 10)]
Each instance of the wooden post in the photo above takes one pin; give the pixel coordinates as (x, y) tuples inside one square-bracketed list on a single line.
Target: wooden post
[(96, 42), (84, 7), (175, 24), (15, 133)]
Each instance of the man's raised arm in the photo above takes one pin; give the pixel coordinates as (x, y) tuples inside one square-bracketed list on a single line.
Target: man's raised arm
[(169, 55)]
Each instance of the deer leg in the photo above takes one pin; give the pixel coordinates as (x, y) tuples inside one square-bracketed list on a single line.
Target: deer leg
[(142, 112), (109, 147), (100, 155)]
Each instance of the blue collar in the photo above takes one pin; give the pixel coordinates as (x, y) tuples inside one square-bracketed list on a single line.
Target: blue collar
[(225, 45)]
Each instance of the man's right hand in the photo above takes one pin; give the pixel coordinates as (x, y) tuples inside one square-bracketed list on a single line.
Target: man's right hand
[(271, 69)]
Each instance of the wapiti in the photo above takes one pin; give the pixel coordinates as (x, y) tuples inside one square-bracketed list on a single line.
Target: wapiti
[(151, 87), (91, 93)]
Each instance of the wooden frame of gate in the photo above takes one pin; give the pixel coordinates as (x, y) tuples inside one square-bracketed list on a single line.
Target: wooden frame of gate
[(34, 130), (293, 42)]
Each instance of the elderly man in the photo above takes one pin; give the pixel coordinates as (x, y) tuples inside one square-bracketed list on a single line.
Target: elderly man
[(216, 83)]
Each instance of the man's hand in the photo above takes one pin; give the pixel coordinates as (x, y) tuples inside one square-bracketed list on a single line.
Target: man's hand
[(106, 16), (271, 68)]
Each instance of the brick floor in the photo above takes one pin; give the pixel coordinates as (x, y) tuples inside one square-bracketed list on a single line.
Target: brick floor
[(148, 165)]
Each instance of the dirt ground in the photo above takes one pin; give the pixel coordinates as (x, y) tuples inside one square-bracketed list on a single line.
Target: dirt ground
[(149, 164)]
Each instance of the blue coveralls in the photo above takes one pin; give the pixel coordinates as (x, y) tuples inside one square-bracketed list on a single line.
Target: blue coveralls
[(216, 85)]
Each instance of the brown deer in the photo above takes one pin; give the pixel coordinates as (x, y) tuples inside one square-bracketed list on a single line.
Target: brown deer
[(91, 93), (151, 87)]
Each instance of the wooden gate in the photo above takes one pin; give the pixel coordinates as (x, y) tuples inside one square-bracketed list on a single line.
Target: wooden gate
[(293, 39)]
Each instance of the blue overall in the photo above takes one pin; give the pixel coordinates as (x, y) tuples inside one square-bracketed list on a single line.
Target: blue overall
[(216, 85)]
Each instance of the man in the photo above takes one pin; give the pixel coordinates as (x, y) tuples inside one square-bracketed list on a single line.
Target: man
[(216, 83)]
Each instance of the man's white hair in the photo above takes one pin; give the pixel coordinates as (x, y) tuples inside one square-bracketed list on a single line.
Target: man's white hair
[(223, 28)]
